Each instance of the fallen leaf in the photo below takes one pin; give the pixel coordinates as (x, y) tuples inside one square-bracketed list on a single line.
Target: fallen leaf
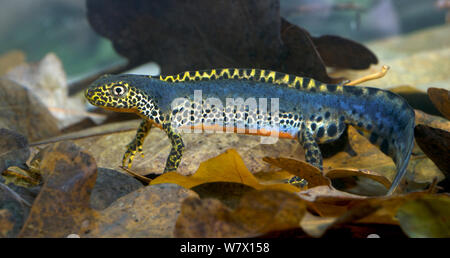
[(426, 217), (301, 169), (62, 206), (441, 100), (273, 176), (324, 191), (228, 193), (20, 177), (150, 211), (431, 121), (435, 143), (227, 167), (342, 173), (259, 212)]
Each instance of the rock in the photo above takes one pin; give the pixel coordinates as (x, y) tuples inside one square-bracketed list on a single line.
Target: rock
[(110, 186), (14, 149), (62, 206), (13, 212), (150, 211)]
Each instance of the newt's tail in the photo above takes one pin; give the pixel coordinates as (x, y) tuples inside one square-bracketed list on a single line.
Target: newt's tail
[(387, 120)]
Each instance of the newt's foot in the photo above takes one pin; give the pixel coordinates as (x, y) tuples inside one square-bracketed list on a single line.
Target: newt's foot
[(297, 181), (132, 148)]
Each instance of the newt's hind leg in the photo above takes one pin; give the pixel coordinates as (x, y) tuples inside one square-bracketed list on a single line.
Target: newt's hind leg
[(312, 153), (174, 158), (137, 143)]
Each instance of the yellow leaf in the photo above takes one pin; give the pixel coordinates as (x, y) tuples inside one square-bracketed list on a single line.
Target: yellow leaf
[(227, 167)]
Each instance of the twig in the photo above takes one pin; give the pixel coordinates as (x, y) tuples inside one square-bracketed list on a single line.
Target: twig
[(15, 195), (370, 77), (137, 176)]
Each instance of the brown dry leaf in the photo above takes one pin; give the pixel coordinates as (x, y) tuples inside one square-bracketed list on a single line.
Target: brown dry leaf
[(150, 211), (317, 226), (424, 213), (335, 210), (62, 206), (325, 191), (341, 173), (20, 177), (273, 176), (227, 167), (259, 212), (428, 216), (441, 100), (315, 177), (328, 202), (436, 145), (431, 121), (300, 169), (228, 193)]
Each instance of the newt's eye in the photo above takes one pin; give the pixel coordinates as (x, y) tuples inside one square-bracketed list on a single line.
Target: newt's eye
[(118, 90)]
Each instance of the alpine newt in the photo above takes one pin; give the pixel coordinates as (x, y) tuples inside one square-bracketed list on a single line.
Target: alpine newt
[(308, 110)]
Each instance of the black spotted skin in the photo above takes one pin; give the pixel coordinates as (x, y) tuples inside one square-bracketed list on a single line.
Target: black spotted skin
[(310, 111)]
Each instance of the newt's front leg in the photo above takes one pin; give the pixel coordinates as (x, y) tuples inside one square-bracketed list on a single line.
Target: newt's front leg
[(137, 143), (176, 152), (312, 154)]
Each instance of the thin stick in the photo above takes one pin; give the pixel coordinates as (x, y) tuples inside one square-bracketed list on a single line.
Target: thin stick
[(137, 176), (370, 77)]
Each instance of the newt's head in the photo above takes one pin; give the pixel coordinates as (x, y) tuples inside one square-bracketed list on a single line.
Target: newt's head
[(115, 92)]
